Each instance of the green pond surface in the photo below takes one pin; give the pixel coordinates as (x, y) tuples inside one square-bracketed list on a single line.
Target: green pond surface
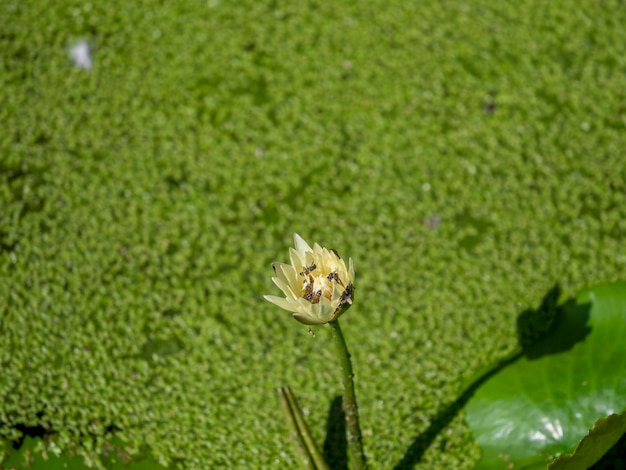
[(157, 157)]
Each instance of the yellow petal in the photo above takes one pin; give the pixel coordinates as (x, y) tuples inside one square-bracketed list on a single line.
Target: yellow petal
[(337, 291), (279, 301), (326, 308), (305, 307), (288, 274), (298, 260), (308, 320), (286, 288)]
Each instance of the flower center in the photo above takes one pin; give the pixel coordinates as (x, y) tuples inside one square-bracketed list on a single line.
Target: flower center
[(318, 285)]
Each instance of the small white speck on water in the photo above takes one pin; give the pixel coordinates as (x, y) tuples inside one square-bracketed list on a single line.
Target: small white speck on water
[(80, 54)]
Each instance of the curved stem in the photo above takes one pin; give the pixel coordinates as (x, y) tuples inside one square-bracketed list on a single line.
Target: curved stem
[(350, 409), (311, 456)]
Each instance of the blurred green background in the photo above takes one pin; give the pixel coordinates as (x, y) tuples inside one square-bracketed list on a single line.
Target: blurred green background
[(467, 155)]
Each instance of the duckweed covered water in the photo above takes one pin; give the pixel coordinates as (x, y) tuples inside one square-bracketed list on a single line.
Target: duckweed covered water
[(468, 157)]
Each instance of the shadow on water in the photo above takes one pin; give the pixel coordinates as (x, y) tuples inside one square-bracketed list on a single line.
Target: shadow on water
[(444, 417), (550, 329), (335, 444), (553, 329), (112, 456)]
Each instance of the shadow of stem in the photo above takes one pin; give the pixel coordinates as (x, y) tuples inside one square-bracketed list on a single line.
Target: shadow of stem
[(551, 329), (416, 451), (335, 449)]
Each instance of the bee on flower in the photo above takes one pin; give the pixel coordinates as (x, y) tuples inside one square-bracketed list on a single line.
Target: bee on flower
[(318, 286)]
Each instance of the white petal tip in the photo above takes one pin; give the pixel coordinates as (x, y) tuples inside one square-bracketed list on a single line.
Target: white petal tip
[(300, 244)]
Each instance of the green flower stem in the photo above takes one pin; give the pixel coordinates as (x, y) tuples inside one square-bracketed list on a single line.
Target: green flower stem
[(350, 409), (311, 456)]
